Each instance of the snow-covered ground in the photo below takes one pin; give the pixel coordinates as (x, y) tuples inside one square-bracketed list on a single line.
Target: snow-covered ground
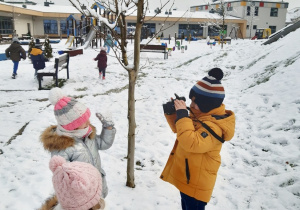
[(260, 165)]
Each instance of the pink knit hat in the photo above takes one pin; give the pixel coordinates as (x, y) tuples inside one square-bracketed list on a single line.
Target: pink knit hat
[(78, 185), (69, 113)]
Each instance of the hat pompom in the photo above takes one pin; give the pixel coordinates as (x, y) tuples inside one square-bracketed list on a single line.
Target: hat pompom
[(216, 73), (55, 162), (55, 94)]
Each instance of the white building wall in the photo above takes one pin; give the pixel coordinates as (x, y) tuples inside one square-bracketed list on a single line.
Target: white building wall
[(21, 24), (263, 20)]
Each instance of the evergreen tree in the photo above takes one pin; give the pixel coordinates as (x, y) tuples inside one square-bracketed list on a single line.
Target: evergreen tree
[(48, 48), (31, 45)]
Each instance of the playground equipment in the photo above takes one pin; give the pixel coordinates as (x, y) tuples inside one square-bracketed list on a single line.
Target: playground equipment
[(211, 43), (182, 49), (70, 41), (178, 45), (262, 33), (89, 37)]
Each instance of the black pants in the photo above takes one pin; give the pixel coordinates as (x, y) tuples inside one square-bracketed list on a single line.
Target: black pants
[(189, 203), (103, 71)]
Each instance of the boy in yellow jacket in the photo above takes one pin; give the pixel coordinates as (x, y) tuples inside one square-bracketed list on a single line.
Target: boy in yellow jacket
[(195, 159)]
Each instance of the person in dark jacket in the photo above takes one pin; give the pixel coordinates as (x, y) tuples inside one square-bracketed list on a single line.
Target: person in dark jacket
[(15, 52), (38, 58), (102, 62)]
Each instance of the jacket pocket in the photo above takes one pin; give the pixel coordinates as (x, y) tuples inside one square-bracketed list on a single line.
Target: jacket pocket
[(187, 171)]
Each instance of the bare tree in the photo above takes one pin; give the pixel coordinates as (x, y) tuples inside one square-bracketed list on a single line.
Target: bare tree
[(121, 9), (250, 16), (218, 22)]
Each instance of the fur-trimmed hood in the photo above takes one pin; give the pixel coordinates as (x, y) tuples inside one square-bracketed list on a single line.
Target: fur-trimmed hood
[(52, 141)]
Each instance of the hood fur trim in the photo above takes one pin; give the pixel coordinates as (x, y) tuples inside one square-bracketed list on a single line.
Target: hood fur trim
[(51, 141), (50, 203)]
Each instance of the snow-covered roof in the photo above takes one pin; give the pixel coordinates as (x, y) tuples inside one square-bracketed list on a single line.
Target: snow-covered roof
[(218, 2), (187, 14), (51, 8)]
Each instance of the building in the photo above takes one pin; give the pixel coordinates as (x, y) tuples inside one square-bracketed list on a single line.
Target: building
[(36, 20), (258, 14), (196, 24), (55, 21)]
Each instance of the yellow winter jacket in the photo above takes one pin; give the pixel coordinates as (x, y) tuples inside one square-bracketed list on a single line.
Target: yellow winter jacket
[(195, 158)]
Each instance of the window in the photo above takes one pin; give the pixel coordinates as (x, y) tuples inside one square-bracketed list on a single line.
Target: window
[(229, 8), (254, 26), (50, 27), (6, 25), (190, 29), (63, 26), (256, 11), (274, 12), (273, 29), (247, 26), (248, 10), (150, 28)]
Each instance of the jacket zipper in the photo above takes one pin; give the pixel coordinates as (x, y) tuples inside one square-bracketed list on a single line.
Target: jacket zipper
[(187, 170), (89, 152)]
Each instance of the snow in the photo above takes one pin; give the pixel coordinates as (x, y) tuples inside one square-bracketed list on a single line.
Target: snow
[(260, 165), (51, 8)]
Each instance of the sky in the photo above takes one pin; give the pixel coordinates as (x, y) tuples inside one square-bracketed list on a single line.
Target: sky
[(179, 4), (260, 166)]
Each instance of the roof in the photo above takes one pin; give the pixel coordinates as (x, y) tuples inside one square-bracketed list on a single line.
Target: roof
[(186, 14), (46, 9), (266, 1)]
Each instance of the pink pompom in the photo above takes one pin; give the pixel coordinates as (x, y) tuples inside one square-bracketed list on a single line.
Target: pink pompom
[(55, 162)]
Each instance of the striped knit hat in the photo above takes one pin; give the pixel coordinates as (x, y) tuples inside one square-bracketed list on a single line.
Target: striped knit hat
[(69, 113), (209, 92)]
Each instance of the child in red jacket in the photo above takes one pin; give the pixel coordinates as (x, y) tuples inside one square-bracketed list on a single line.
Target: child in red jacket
[(102, 62)]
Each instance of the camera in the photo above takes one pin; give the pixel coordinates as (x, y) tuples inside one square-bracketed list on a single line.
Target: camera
[(169, 107)]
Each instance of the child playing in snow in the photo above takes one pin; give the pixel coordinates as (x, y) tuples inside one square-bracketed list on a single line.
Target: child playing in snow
[(15, 52), (74, 138), (195, 159), (77, 186), (102, 62), (38, 58)]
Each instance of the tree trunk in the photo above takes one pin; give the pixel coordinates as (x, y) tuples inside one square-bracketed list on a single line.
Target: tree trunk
[(131, 128), (133, 73)]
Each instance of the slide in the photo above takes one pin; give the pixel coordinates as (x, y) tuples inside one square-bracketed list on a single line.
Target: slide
[(89, 38)]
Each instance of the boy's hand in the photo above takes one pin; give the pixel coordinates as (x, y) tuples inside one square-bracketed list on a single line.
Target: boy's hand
[(179, 104)]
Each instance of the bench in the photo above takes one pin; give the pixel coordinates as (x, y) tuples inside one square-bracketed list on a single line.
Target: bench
[(61, 62), (155, 49), (6, 37), (25, 36), (225, 40)]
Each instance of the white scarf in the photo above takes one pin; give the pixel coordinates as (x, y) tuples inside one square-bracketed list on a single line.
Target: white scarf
[(80, 133)]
